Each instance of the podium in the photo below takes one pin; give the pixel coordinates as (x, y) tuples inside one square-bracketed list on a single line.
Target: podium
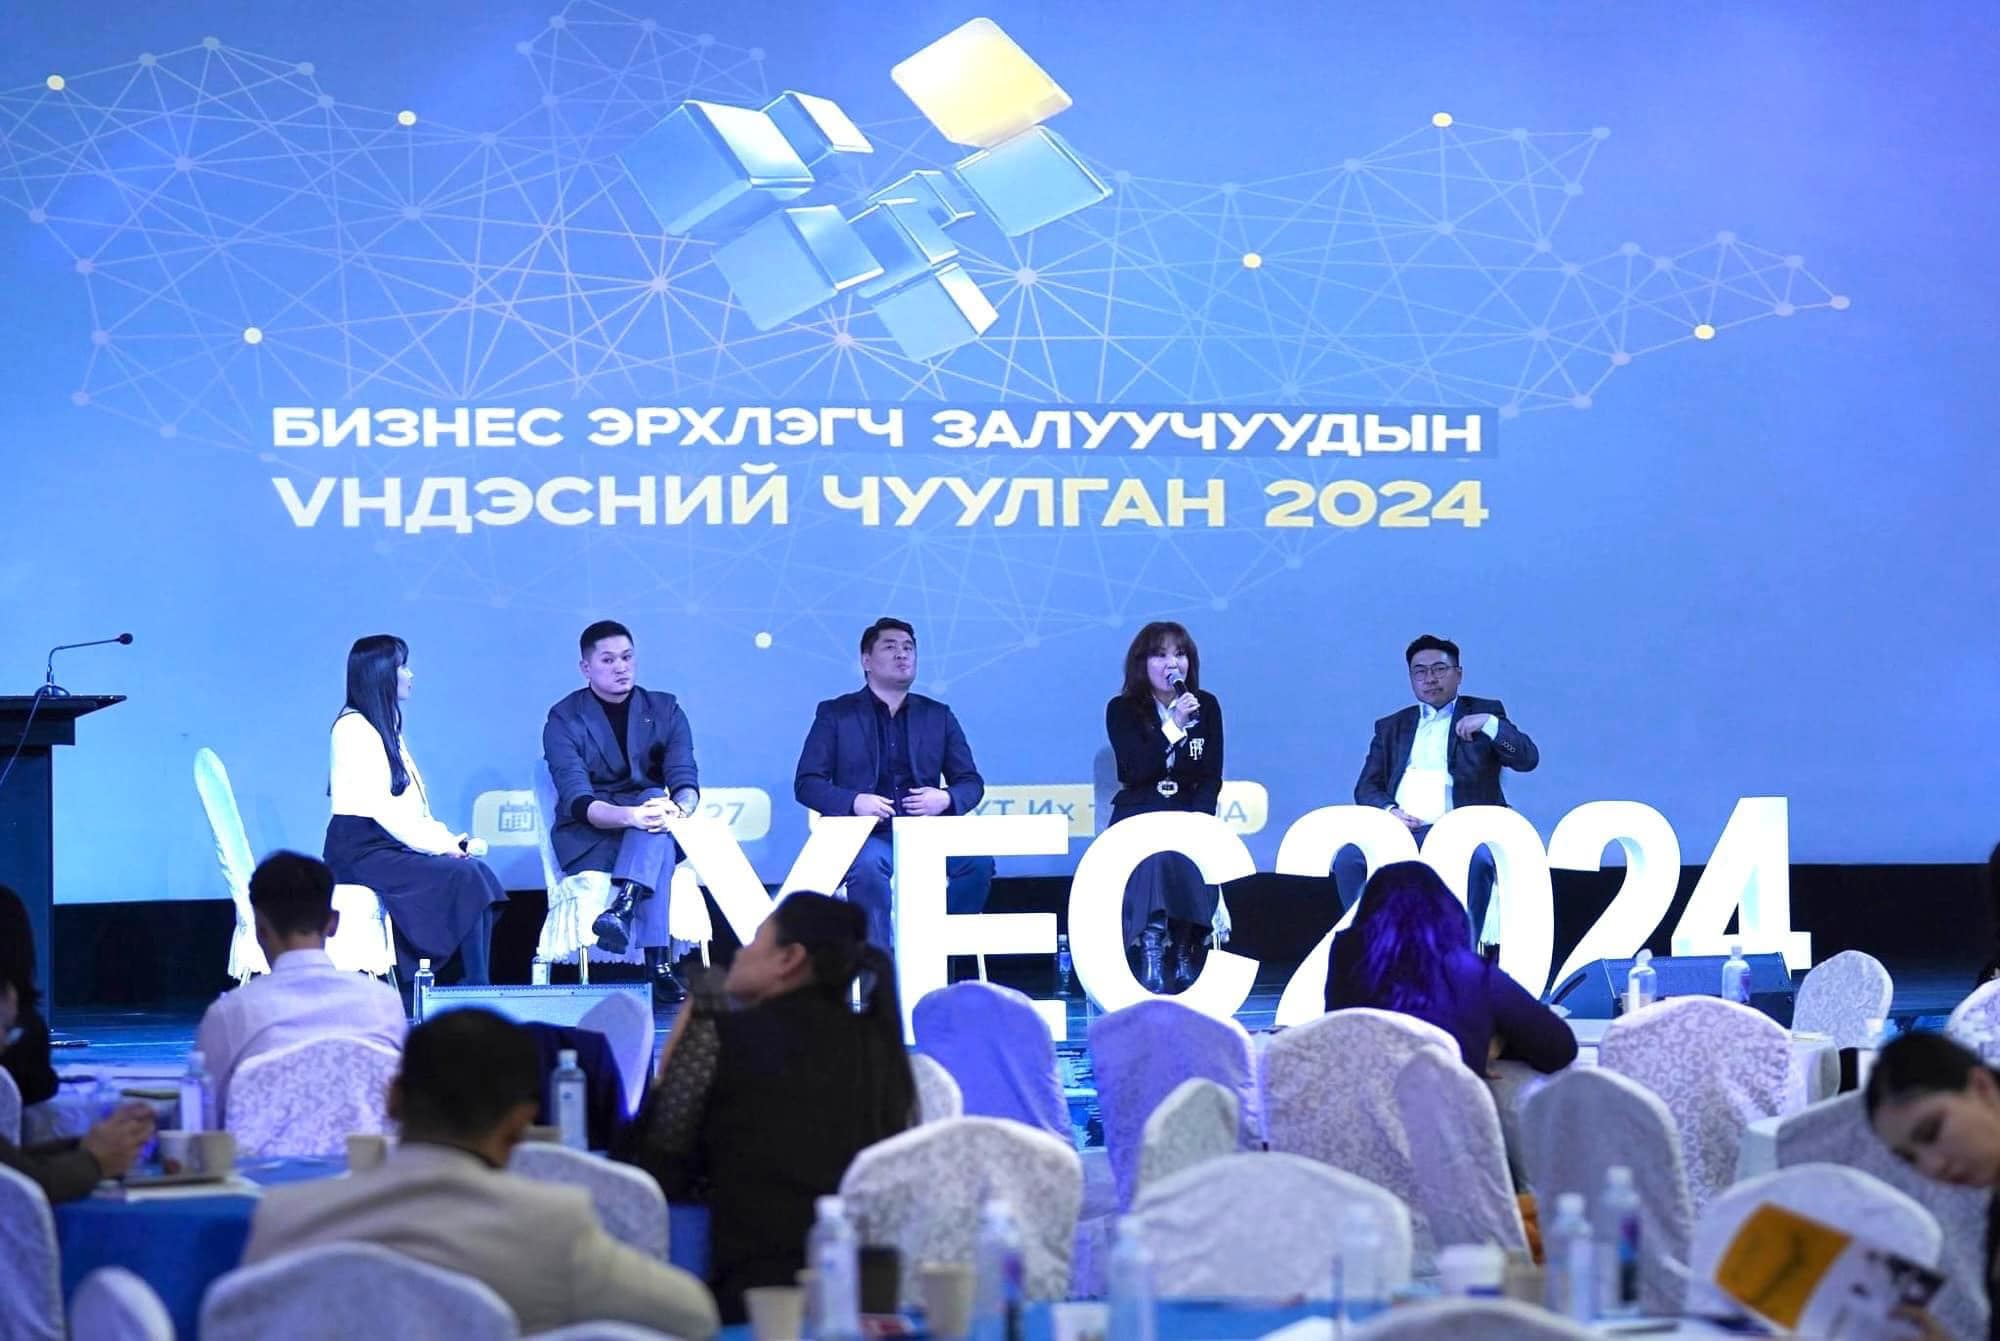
[(35, 725)]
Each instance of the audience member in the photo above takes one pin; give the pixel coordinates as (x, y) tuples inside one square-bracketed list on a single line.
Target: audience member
[(304, 996), (759, 1110), (27, 1057), (467, 1092)]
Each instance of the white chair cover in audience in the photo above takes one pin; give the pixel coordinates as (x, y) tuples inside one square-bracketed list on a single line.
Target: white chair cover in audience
[(1585, 1120), (1467, 1319), (574, 900), (1837, 1132), (1464, 1191), (362, 943), (626, 1021), (1975, 1022), (1139, 1054), (10, 1109), (113, 1304), (1257, 1226), (30, 1270), (923, 1190), (999, 1050), (1194, 1124), (1719, 1067), (1840, 995), (306, 1099), (938, 1095), (628, 1201), (353, 1290), (602, 1331), (233, 855)]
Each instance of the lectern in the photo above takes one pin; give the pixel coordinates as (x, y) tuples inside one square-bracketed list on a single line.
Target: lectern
[(35, 725)]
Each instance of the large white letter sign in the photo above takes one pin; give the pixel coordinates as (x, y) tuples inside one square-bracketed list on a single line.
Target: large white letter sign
[(1308, 849), (1522, 894), (1751, 867), (926, 935), (716, 856), (1652, 870), (1097, 903)]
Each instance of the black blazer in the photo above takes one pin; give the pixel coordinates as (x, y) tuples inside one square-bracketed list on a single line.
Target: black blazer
[(583, 760), (1474, 764), (1141, 748), (841, 755)]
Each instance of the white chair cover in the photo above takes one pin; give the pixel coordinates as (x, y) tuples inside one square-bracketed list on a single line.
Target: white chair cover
[(1194, 1124), (1975, 1022), (1719, 1067), (628, 1201), (1837, 1132), (999, 1050), (30, 1271), (626, 1021), (350, 1290), (1258, 1226), (938, 1095), (1464, 1190), (1461, 1319), (1840, 995), (574, 900), (10, 1109), (1587, 1119), (306, 1099), (922, 1191), (362, 943), (113, 1304), (602, 1331), (232, 854), (1141, 1053)]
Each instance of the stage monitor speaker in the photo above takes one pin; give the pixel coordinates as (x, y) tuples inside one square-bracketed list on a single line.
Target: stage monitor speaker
[(567, 1007), (1597, 990)]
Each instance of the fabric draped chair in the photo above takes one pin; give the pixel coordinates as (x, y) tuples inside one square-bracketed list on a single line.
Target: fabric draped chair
[(353, 1289), (10, 1109), (1718, 1067), (626, 1021), (999, 1050), (922, 1191), (602, 1331), (1257, 1226), (306, 1099), (938, 1095), (30, 1269), (1841, 995), (1586, 1120), (1975, 1022), (628, 1201), (1194, 1124), (1460, 1319), (113, 1304)]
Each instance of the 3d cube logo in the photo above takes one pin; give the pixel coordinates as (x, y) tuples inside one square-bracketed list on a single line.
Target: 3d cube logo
[(901, 235), (792, 261), (934, 315), (1031, 180), (709, 170), (816, 128), (977, 85), (938, 192)]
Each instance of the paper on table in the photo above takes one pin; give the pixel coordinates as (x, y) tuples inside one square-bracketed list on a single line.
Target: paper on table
[(1305, 1329), (235, 1185)]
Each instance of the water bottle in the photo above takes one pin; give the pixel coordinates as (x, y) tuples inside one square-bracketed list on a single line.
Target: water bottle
[(997, 1306), (1567, 1248), (1065, 966), (538, 972), (1359, 1291), (197, 1093), (420, 988), (1618, 1228), (833, 1252), (1642, 984), (1736, 976), (566, 1100), (1133, 1317)]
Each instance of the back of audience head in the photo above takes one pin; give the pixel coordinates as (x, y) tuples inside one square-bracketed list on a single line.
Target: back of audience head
[(292, 897), (1410, 925), (17, 950), (1937, 1105), (470, 1079)]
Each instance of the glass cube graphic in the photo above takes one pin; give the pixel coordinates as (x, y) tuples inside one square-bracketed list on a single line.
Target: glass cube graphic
[(1031, 180), (792, 261), (941, 196), (977, 86), (710, 169), (816, 128), (901, 237), (936, 313)]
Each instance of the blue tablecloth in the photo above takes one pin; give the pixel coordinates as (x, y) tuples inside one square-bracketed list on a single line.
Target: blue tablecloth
[(1209, 1320)]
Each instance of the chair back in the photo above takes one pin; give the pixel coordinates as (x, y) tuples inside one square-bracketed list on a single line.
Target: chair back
[(1194, 1124), (938, 1095), (1975, 1022), (1457, 1319), (363, 942), (604, 1330), (1458, 1158), (626, 1021), (307, 1098), (113, 1304), (10, 1109), (1257, 1226), (999, 1050), (1140, 1054), (545, 822), (1841, 995), (233, 855), (30, 1270), (628, 1201), (353, 1289)]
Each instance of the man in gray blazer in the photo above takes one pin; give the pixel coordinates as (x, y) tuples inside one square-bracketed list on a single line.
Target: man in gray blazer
[(466, 1093), (622, 759)]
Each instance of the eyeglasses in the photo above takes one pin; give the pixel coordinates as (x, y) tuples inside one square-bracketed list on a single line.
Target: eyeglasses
[(1436, 671)]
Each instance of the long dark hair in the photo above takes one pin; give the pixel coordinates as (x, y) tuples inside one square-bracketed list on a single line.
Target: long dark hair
[(1410, 926), (1157, 634), (1913, 1065), (834, 934), (17, 948), (372, 664)]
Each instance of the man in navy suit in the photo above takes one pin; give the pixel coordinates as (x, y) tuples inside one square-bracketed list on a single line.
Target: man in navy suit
[(1443, 751), (622, 759), (881, 751)]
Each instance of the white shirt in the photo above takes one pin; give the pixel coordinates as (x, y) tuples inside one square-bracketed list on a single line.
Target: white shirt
[(1425, 790), (360, 768), (303, 997)]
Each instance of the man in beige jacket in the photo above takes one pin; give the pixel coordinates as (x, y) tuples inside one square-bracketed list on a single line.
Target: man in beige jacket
[(466, 1093)]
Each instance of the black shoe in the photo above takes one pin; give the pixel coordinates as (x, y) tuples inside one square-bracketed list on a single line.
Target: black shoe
[(667, 988), (613, 927)]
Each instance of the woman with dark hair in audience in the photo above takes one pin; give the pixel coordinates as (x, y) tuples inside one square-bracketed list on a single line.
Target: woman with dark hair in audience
[(1166, 733), (27, 1056), (440, 898), (759, 1109), (1410, 950)]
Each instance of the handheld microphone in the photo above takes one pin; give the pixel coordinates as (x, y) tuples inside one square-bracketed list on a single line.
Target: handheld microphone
[(50, 689), (1178, 681)]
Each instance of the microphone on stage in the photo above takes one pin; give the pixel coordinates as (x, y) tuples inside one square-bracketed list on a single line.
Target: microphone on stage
[(1178, 682), (50, 689)]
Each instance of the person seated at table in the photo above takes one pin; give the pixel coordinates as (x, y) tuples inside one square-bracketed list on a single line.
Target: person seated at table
[(26, 1059), (1410, 950), (760, 1109), (466, 1093), (303, 996)]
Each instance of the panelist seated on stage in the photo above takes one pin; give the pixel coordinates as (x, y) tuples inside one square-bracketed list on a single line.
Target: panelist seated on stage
[(304, 996), (1443, 751), (881, 752), (622, 760), (469, 1087)]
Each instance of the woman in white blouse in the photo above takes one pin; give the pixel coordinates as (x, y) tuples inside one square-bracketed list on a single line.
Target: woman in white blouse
[(441, 900)]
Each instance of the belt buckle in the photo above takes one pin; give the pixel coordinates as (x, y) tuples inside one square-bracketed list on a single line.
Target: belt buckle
[(1167, 787)]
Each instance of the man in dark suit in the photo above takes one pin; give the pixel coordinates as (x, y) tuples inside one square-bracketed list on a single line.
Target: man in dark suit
[(881, 751), (622, 759), (1445, 750)]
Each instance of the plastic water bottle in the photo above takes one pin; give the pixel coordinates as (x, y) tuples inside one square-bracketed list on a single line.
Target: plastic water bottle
[(1642, 984), (1736, 976), (566, 1100), (833, 1251), (538, 972), (420, 988), (1567, 1249), (1618, 1229), (1065, 966), (1359, 1291), (1133, 1315), (197, 1094), (997, 1307)]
